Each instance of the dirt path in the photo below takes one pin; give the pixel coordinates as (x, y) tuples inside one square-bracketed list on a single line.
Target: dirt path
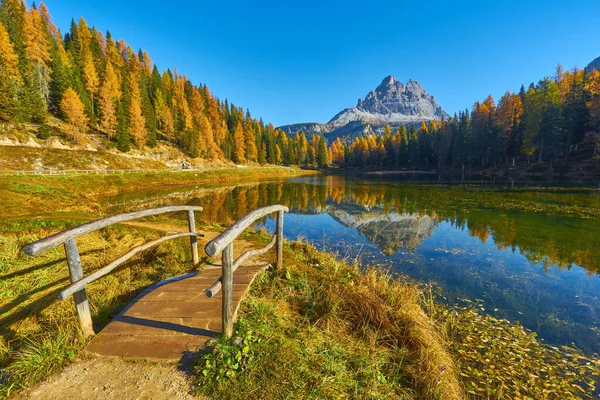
[(114, 378)]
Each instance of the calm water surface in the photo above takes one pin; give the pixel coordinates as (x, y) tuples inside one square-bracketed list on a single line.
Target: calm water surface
[(528, 252)]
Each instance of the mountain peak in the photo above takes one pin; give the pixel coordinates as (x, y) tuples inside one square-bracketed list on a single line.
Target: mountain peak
[(388, 81), (390, 103), (396, 102), (593, 65)]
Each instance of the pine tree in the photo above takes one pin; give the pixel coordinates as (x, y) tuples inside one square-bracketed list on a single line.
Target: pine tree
[(60, 78), (322, 153), (147, 109), (278, 156), (8, 99)]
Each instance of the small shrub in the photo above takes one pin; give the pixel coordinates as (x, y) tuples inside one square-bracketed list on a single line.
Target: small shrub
[(44, 132), (229, 357)]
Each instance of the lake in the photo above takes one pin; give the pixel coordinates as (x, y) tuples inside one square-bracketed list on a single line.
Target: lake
[(524, 251)]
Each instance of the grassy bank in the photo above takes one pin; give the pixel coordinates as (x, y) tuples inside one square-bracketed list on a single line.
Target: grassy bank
[(318, 328), (61, 195), (323, 328)]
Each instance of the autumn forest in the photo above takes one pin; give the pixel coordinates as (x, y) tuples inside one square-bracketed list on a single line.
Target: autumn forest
[(100, 85)]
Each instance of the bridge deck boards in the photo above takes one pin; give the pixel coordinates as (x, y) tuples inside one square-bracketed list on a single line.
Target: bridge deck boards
[(171, 319)]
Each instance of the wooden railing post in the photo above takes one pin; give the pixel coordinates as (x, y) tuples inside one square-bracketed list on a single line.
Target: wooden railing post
[(81, 301), (279, 245), (193, 239), (227, 276)]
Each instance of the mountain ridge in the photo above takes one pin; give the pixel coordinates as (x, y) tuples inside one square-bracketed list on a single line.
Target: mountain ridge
[(392, 102), (594, 65)]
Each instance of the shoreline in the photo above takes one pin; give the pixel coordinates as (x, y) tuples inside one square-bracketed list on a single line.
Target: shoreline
[(26, 195)]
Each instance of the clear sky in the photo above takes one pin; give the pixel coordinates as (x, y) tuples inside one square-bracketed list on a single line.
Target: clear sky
[(299, 61)]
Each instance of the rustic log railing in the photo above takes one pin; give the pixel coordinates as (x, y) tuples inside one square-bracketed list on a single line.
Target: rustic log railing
[(78, 281), (224, 244)]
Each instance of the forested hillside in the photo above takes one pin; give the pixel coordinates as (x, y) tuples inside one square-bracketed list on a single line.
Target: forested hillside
[(99, 84), (551, 122)]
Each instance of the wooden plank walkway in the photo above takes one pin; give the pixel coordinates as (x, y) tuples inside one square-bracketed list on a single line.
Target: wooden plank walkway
[(172, 318)]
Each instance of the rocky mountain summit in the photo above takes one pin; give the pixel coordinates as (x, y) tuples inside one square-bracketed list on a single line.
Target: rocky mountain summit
[(594, 65), (391, 103)]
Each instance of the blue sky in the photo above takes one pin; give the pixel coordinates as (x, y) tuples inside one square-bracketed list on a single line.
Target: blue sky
[(307, 60)]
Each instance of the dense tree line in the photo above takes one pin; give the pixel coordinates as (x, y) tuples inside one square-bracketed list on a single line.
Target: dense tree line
[(101, 85), (542, 123)]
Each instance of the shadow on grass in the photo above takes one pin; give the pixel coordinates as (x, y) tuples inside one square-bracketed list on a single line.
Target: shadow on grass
[(36, 267), (38, 305)]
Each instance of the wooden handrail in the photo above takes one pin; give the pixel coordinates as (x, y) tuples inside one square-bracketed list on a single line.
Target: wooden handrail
[(42, 245), (78, 281), (80, 284), (216, 287), (226, 237), (224, 243)]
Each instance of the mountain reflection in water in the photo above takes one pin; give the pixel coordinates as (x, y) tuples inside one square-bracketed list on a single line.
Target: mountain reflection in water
[(529, 252)]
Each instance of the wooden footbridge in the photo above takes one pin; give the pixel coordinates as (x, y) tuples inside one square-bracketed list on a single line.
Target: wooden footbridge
[(176, 317)]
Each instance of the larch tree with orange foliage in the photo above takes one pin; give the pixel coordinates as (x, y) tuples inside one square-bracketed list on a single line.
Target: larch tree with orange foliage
[(137, 122), (212, 150), (37, 48), (164, 117), (90, 75), (9, 60), (10, 79), (108, 96), (239, 150), (73, 109), (250, 142), (278, 155)]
